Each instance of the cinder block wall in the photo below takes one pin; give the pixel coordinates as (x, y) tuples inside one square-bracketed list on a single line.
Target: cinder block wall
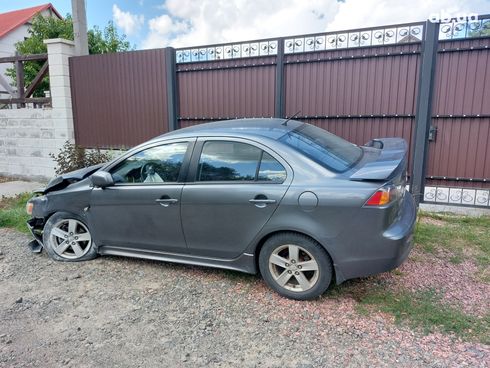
[(28, 135)]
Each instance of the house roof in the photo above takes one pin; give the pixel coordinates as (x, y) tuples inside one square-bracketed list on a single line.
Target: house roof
[(13, 19)]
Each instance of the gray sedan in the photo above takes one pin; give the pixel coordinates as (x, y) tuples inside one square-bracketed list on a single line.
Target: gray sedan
[(287, 199)]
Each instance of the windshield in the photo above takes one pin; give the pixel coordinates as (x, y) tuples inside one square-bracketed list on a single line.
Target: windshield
[(326, 149)]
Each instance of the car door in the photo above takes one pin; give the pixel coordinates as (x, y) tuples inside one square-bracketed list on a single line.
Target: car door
[(141, 210), (234, 187)]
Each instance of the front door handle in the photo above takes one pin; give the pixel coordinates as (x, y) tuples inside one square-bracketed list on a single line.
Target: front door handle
[(165, 202)]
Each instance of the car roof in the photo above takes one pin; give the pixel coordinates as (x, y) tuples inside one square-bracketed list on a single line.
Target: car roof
[(266, 127)]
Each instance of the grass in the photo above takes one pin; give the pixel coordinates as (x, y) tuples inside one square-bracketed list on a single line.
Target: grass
[(421, 310), (463, 237), (456, 238), (13, 212), (424, 310)]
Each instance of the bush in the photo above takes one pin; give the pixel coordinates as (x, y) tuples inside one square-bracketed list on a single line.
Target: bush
[(73, 157)]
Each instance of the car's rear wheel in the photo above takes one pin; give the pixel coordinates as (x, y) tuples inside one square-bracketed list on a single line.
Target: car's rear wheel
[(295, 266), (66, 237)]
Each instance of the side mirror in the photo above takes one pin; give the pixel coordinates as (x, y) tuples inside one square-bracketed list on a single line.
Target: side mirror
[(102, 179)]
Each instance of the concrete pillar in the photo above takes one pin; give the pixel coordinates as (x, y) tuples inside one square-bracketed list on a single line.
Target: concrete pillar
[(59, 51), (80, 27)]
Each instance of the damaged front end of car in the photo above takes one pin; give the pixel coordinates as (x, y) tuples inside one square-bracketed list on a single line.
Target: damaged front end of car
[(43, 203), (35, 207)]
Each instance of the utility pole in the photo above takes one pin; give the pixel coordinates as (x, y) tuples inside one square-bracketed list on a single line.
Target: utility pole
[(80, 27)]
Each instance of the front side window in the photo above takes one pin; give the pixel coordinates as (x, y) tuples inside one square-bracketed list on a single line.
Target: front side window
[(155, 165), (235, 161)]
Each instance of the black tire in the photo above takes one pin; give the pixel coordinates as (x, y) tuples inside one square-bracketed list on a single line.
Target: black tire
[(88, 248), (308, 250)]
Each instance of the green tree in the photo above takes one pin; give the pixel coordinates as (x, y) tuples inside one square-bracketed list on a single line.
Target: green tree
[(107, 41), (42, 28)]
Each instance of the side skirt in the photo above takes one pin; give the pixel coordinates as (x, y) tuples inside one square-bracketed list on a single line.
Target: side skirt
[(243, 263)]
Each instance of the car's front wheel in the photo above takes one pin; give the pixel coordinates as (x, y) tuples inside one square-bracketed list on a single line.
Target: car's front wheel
[(66, 237), (295, 266)]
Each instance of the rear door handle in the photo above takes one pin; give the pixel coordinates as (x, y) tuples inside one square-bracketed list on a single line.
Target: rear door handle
[(261, 201), (165, 202), (266, 201)]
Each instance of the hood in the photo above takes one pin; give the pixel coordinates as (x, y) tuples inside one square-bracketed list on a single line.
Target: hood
[(62, 181)]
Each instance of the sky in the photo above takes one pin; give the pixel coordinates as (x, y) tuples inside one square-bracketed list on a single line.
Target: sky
[(183, 23)]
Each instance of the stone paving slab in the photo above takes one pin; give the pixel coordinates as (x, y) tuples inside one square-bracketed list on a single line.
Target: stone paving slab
[(458, 210)]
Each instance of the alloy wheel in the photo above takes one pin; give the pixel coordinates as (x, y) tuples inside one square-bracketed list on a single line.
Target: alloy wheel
[(70, 239), (293, 268)]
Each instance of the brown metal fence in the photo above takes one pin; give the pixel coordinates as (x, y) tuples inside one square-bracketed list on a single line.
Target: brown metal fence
[(119, 100), (226, 90), (461, 114), (359, 84)]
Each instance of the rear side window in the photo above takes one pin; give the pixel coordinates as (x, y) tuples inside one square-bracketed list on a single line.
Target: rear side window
[(326, 149), (235, 161)]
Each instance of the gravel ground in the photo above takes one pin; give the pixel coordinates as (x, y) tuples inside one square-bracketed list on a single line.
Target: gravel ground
[(124, 312), (457, 283)]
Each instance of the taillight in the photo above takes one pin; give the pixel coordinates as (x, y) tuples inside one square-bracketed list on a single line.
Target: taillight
[(381, 197)]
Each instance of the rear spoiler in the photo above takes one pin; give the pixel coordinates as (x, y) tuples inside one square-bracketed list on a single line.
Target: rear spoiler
[(375, 143), (391, 157)]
